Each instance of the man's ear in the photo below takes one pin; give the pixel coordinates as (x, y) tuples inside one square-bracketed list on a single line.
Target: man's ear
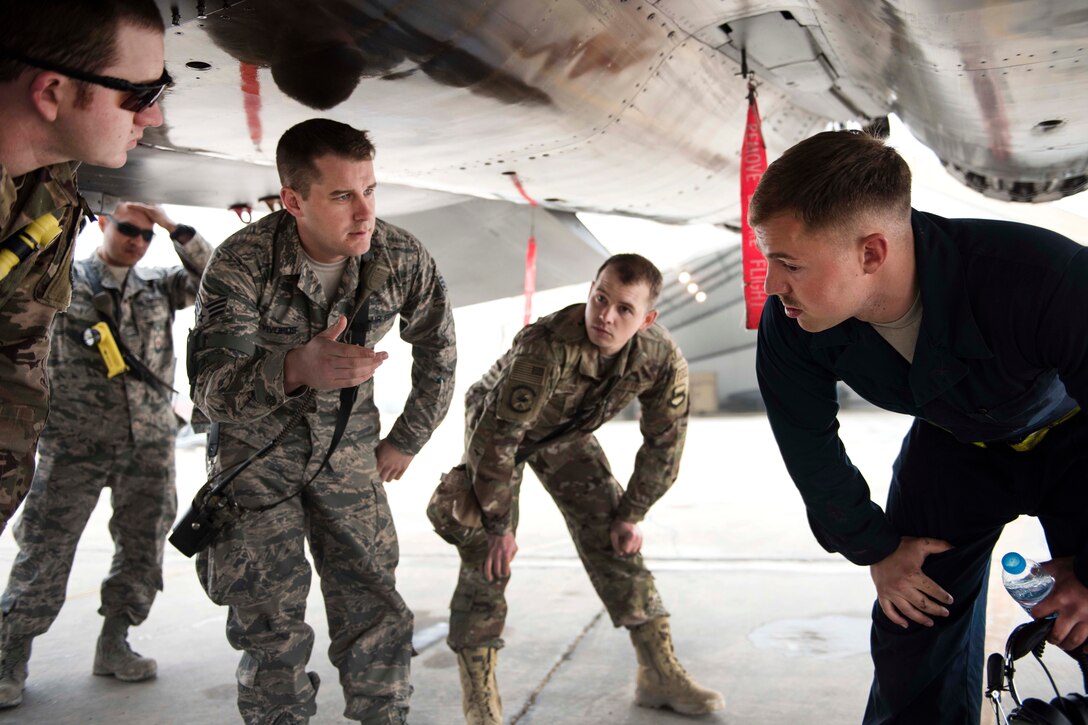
[(874, 252), (291, 201), (650, 318), (47, 93)]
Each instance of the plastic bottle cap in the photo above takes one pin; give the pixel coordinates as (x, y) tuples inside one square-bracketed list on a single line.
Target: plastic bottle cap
[(1013, 563)]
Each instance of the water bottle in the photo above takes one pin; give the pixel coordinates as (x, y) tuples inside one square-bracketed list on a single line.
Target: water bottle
[(1025, 580)]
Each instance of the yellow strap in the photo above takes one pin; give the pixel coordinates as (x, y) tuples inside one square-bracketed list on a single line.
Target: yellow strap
[(1035, 437)]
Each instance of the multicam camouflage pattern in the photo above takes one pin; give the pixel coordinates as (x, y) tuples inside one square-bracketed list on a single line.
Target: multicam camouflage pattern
[(102, 432), (258, 300), (49, 190), (30, 296), (553, 375), (576, 474)]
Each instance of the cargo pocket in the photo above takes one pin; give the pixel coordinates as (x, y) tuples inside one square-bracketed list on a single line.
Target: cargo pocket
[(453, 509), (20, 426), (256, 560)]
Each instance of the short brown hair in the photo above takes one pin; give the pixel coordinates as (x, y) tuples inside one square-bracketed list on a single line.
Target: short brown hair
[(304, 143), (633, 269), (77, 34), (832, 177)]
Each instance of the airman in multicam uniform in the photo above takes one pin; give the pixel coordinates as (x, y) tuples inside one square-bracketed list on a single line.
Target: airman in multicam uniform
[(61, 65), (30, 295), (51, 121), (265, 363), (565, 376), (103, 431)]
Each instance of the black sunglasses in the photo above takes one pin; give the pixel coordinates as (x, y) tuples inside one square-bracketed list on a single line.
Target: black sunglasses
[(131, 230), (140, 95)]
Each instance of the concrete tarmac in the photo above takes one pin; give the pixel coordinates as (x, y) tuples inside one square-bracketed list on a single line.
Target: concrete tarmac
[(759, 610)]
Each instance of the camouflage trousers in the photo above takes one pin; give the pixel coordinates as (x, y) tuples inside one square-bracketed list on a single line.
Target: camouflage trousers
[(258, 569), (577, 475), (24, 392), (66, 488)]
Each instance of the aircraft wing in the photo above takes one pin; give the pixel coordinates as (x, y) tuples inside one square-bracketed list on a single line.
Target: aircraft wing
[(458, 230), (632, 107)]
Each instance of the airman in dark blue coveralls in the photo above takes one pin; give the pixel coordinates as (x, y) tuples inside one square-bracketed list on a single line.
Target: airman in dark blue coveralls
[(976, 328)]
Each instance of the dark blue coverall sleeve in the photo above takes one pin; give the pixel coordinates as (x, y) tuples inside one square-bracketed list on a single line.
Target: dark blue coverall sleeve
[(802, 408)]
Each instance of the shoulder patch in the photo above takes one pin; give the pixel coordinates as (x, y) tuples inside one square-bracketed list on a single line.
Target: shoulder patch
[(679, 395), (211, 309), (678, 392), (527, 371), (522, 399), (522, 395)]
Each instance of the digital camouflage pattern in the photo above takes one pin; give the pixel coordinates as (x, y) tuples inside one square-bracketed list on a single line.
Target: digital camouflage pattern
[(30, 296), (65, 491), (117, 432), (552, 375), (260, 299), (91, 406)]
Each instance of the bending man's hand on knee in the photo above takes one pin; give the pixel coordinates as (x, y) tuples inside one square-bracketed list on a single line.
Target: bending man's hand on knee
[(626, 538), (903, 590), (500, 552), (1069, 600)]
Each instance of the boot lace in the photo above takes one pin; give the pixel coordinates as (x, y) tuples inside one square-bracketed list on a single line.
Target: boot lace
[(479, 699), (672, 665)]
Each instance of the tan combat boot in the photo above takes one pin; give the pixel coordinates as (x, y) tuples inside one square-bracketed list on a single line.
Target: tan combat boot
[(662, 681), (113, 656), (14, 656), (479, 691)]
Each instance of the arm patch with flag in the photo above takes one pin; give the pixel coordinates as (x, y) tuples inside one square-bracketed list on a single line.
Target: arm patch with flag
[(522, 396)]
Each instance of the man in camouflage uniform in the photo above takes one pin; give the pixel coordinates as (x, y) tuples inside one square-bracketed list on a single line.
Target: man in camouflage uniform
[(565, 376), (62, 63), (114, 431), (266, 363)]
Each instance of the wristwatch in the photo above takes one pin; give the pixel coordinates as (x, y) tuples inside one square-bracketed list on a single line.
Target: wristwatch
[(182, 233)]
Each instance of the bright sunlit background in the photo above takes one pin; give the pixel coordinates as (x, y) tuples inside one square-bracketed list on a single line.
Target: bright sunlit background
[(484, 331)]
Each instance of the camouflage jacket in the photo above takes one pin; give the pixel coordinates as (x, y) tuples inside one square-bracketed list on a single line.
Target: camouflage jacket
[(51, 189), (552, 375), (260, 299), (87, 405)]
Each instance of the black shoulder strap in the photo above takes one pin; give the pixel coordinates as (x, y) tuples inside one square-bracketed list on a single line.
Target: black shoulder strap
[(358, 329), (360, 324), (575, 423)]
